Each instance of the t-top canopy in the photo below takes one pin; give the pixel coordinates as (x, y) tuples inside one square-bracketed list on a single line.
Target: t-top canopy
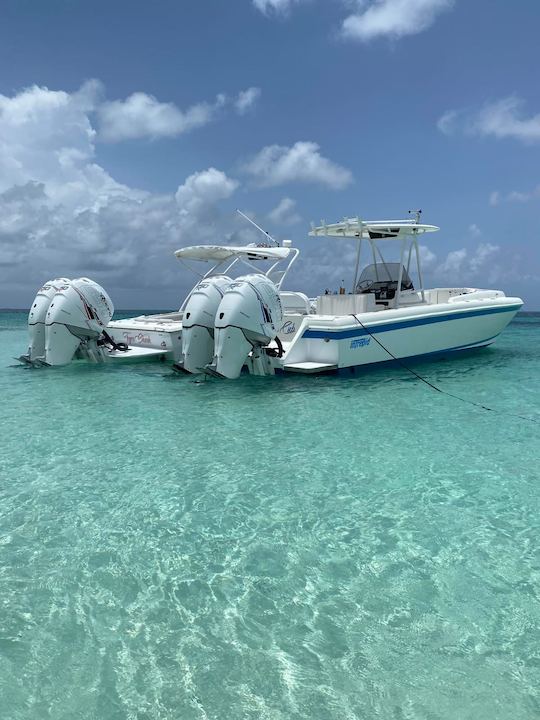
[(221, 253), (372, 229)]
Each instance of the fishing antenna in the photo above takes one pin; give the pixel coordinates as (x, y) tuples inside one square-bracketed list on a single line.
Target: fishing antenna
[(264, 232)]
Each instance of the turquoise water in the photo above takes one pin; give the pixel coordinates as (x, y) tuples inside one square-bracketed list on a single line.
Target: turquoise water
[(287, 548)]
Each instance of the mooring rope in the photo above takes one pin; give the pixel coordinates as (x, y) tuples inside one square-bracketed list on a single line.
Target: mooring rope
[(435, 387)]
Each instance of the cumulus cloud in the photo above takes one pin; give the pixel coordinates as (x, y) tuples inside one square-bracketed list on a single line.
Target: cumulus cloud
[(503, 118), (247, 99), (204, 188), (278, 165), (61, 213), (483, 253), (453, 263), (392, 18), (467, 266), (141, 115), (46, 135), (496, 197), (280, 7), (285, 213), (427, 257), (374, 18)]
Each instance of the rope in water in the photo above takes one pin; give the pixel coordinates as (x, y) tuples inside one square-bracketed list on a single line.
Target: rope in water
[(435, 387)]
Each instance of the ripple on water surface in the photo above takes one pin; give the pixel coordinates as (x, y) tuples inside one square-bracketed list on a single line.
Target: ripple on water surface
[(270, 548)]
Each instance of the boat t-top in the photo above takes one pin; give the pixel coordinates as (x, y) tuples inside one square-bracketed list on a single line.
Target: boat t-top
[(238, 317)]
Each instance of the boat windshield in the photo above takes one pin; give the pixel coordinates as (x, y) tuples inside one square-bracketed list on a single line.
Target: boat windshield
[(382, 279)]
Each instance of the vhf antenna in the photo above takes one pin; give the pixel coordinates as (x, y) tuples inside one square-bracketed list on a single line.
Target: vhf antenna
[(264, 232), (417, 214)]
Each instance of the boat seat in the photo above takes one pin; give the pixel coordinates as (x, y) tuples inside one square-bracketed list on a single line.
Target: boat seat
[(295, 303)]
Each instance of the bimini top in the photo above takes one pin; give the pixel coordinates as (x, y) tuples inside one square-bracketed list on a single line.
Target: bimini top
[(221, 253), (372, 229)]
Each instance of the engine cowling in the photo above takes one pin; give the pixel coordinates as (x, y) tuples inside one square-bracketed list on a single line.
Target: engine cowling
[(249, 316), (198, 322), (37, 317), (79, 312)]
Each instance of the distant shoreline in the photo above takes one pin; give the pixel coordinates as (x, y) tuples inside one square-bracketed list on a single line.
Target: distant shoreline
[(121, 311)]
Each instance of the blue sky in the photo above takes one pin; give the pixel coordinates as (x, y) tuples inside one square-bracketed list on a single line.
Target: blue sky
[(129, 129)]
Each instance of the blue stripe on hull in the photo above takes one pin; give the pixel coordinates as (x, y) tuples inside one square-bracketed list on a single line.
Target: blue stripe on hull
[(414, 358), (407, 360), (373, 329)]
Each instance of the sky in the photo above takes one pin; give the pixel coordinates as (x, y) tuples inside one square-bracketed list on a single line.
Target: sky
[(129, 129)]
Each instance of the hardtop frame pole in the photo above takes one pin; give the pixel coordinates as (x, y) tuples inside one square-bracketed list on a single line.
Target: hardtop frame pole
[(419, 269), (400, 275), (295, 253), (203, 276), (358, 253), (409, 260), (383, 262), (372, 243)]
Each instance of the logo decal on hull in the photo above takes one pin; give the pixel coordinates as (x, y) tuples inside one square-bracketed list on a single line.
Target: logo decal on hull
[(360, 342)]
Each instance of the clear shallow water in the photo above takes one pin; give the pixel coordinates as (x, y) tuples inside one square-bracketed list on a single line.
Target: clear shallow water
[(270, 548)]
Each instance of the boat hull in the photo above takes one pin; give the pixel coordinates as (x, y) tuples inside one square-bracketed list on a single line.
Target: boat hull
[(368, 338), (150, 332)]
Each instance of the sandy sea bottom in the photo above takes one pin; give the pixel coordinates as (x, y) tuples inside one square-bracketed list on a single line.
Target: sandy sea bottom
[(324, 547)]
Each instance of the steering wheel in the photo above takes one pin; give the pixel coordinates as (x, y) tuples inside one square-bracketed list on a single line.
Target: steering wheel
[(364, 285)]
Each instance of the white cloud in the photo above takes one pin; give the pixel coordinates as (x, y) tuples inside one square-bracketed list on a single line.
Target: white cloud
[(447, 122), (392, 18), (247, 99), (204, 188), (279, 164), (374, 18), (466, 266), (427, 257), (281, 7), (474, 230), (483, 253), (453, 262), (141, 115), (285, 213), (503, 118), (494, 198), (514, 196), (63, 214)]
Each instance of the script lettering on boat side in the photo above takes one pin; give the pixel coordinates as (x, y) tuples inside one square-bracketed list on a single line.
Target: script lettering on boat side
[(360, 342), (288, 328), (140, 338)]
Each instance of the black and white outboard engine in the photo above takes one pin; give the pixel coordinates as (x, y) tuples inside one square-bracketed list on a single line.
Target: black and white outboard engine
[(75, 319), (198, 323), (248, 319)]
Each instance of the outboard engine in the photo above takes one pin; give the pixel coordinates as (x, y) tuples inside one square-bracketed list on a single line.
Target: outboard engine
[(198, 323), (76, 318), (248, 318), (37, 316)]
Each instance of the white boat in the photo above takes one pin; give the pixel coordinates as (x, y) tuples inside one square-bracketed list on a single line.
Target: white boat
[(232, 322)]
